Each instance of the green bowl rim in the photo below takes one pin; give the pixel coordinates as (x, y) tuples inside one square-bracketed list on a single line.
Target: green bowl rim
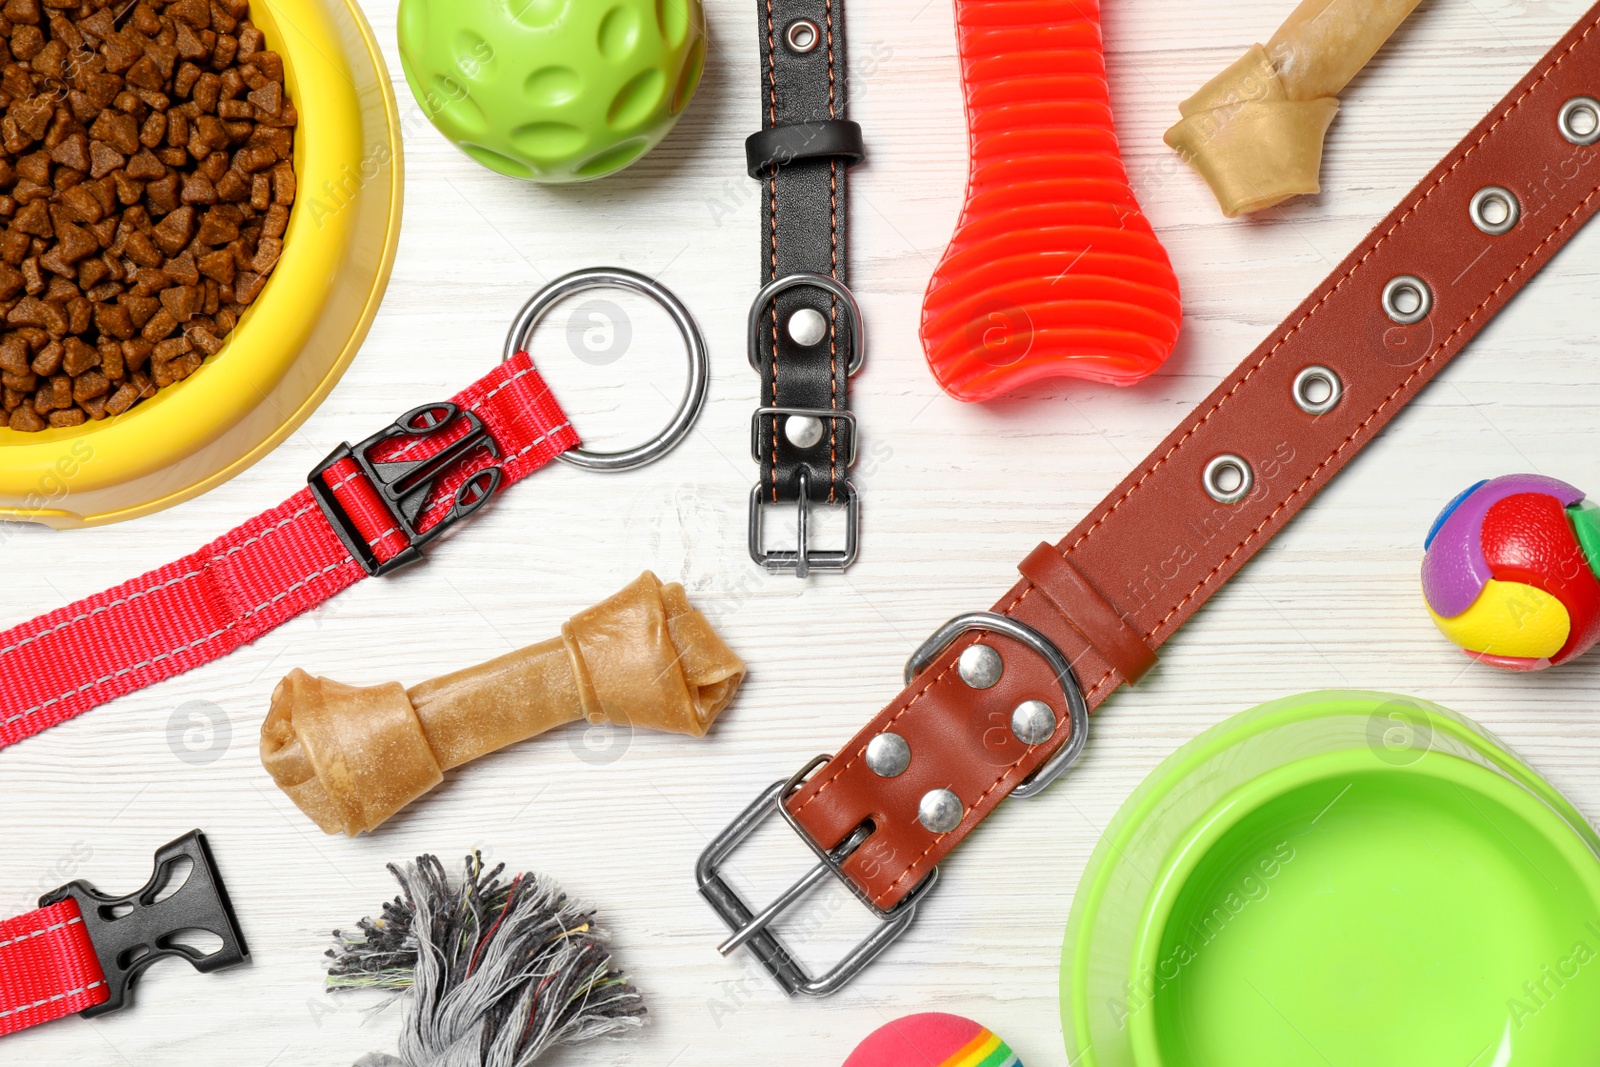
[(1255, 793), (1285, 711)]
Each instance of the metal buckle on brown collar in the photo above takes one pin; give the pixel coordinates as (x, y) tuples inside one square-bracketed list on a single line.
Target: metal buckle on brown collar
[(752, 930)]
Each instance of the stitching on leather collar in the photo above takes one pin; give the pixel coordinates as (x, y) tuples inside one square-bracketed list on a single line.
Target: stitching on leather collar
[(1439, 350), (1354, 267)]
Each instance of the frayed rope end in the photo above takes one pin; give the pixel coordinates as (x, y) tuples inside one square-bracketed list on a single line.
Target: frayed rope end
[(498, 971)]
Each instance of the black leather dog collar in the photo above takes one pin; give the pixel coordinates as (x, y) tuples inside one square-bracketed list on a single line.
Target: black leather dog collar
[(805, 328)]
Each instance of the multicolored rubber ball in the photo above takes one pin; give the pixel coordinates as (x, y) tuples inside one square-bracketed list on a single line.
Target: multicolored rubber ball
[(932, 1039), (1510, 572)]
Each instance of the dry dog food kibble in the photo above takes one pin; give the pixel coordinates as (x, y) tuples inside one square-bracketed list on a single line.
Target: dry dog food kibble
[(145, 184)]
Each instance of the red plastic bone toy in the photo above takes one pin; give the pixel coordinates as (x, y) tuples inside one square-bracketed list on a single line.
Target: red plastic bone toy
[(1053, 270)]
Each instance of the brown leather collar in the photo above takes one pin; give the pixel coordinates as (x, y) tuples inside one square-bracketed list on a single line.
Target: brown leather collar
[(1244, 462)]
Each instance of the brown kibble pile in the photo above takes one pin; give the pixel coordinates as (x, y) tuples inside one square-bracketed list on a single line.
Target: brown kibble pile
[(145, 184)]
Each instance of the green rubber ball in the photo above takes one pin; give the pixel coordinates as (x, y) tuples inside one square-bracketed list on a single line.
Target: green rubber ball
[(553, 90)]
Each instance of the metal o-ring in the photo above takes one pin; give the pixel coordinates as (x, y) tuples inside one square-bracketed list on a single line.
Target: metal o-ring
[(1391, 299), (1314, 375), (694, 391), (1493, 194), (1212, 478), (802, 36), (1579, 105)]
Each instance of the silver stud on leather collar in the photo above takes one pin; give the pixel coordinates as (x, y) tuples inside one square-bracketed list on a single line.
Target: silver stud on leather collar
[(802, 36), (940, 811), (1407, 299), (803, 431), (888, 755), (1495, 210), (1034, 722), (807, 327), (1579, 120), (980, 666)]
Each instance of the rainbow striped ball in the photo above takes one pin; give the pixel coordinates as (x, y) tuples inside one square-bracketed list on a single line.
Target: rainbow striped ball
[(1509, 572), (932, 1040)]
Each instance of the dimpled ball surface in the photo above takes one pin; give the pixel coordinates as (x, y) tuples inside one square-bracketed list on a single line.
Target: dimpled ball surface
[(553, 90), (1509, 572)]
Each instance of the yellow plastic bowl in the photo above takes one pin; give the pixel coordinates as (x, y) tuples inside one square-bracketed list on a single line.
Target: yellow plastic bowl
[(292, 345)]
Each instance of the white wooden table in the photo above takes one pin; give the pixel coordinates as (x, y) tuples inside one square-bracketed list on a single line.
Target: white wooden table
[(954, 496)]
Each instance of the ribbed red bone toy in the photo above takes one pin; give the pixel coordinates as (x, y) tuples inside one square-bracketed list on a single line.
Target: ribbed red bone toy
[(1053, 270)]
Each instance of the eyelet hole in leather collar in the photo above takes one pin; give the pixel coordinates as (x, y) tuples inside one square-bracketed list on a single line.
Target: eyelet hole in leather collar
[(1317, 390), (1407, 300), (802, 36), (1495, 210), (1579, 120), (1228, 478)]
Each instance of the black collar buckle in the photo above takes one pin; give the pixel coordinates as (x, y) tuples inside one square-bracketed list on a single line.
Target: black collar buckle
[(132, 932)]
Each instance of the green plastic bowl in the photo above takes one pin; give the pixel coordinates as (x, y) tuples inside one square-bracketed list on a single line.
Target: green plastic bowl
[(1338, 878)]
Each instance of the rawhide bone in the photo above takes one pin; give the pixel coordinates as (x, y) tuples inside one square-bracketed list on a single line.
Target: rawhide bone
[(351, 756), (1255, 131)]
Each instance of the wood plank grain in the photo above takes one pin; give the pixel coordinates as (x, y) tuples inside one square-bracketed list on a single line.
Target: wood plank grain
[(955, 495)]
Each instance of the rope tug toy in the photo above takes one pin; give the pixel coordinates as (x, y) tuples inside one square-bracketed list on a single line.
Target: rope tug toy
[(497, 972)]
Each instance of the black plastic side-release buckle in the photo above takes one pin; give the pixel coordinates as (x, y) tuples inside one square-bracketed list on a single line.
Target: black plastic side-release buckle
[(132, 932), (406, 485)]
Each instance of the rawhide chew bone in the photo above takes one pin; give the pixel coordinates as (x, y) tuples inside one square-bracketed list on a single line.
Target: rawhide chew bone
[(1053, 270), (351, 756), (1509, 572), (1255, 131)]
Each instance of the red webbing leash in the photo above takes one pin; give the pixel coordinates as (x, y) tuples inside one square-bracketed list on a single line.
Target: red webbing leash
[(48, 967), (82, 950), (368, 510)]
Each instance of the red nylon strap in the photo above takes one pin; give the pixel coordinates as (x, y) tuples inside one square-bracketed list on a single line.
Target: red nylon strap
[(258, 576), (48, 967)]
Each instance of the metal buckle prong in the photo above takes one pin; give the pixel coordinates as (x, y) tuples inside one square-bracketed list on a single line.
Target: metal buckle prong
[(750, 930), (803, 560), (792, 895)]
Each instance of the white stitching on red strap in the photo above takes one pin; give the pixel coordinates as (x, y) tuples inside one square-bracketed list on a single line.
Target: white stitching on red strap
[(47, 930), (346, 480), (536, 442), (51, 999), (137, 593), (119, 672), (490, 395), (474, 407)]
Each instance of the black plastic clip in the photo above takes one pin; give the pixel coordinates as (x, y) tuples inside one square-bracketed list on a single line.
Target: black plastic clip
[(405, 485), (132, 932)]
